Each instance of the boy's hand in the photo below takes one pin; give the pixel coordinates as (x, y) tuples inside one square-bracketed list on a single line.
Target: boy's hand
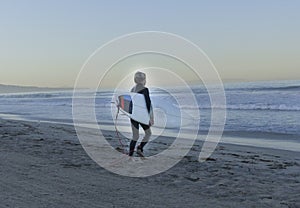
[(151, 122)]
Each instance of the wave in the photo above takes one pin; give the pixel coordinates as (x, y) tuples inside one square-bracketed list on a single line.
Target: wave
[(281, 107), (266, 88), (37, 95)]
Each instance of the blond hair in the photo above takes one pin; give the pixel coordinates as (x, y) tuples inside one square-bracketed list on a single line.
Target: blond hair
[(139, 77)]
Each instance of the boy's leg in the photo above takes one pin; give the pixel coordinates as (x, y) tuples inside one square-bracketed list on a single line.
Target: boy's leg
[(135, 136), (147, 136), (131, 147)]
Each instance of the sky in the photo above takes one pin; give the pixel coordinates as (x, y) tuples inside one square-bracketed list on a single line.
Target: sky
[(45, 43)]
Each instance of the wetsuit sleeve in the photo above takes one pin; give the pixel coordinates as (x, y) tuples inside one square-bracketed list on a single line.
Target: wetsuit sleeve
[(147, 98), (148, 103)]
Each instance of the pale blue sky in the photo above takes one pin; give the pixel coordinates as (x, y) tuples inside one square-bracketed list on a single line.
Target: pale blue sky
[(45, 43)]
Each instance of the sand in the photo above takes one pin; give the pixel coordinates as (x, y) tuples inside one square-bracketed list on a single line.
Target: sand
[(44, 165)]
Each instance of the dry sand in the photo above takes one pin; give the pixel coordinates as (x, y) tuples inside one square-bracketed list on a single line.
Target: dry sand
[(44, 165)]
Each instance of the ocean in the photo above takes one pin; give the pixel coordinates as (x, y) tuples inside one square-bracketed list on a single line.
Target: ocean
[(258, 113)]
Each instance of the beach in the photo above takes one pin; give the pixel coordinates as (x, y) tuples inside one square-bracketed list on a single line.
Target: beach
[(217, 83), (44, 165)]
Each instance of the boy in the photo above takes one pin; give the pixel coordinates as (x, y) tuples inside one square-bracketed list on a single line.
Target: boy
[(140, 80)]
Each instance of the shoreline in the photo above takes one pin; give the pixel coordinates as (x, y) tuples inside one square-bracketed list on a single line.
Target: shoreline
[(270, 140), (44, 165)]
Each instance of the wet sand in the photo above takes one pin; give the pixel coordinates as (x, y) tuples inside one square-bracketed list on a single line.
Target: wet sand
[(44, 165)]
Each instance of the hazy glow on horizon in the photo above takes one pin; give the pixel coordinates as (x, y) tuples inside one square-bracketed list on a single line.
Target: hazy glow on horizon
[(45, 43)]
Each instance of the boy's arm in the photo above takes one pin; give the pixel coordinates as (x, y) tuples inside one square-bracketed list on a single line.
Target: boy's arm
[(149, 106)]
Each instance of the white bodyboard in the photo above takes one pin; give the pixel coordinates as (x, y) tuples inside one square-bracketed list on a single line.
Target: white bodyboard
[(134, 106)]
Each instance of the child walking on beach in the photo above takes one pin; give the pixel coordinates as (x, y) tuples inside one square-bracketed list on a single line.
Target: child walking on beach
[(140, 80)]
